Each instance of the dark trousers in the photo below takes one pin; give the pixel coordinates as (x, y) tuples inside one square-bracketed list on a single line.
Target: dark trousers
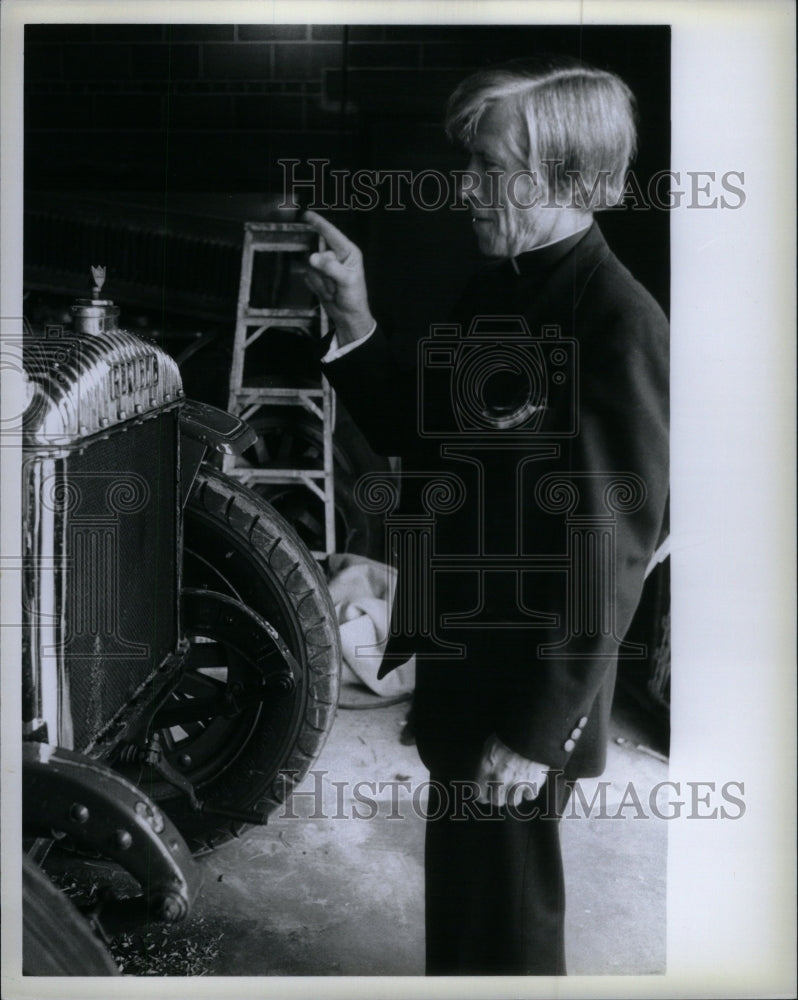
[(495, 896)]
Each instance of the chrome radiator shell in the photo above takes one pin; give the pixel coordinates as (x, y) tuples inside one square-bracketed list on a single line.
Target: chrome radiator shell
[(101, 529), (81, 386)]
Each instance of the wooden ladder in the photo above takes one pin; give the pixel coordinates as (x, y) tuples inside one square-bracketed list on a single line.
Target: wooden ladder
[(250, 394)]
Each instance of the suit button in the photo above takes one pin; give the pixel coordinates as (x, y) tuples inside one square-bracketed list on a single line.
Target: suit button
[(576, 734), (568, 746), (583, 722)]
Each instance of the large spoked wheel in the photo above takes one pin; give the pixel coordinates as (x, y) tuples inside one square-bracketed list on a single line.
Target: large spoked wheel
[(253, 734), (56, 939)]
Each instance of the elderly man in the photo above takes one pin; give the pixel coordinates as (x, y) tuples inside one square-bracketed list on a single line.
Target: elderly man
[(552, 431)]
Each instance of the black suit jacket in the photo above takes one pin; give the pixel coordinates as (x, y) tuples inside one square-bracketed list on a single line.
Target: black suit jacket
[(578, 489)]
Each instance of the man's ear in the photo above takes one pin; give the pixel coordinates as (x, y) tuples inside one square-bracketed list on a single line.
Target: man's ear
[(526, 189)]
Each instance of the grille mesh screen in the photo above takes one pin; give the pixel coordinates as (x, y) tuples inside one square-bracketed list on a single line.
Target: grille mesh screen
[(120, 585)]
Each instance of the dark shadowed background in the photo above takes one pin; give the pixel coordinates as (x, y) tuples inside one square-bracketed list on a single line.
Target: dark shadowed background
[(181, 127)]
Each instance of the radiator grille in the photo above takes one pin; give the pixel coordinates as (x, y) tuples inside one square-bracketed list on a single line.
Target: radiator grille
[(120, 584)]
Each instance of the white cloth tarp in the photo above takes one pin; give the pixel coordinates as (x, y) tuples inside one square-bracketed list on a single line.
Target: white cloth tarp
[(362, 591)]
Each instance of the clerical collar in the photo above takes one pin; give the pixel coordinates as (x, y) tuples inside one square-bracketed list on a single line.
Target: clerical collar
[(533, 262)]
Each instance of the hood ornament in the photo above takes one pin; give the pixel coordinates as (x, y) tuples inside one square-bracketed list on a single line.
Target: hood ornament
[(98, 277), (95, 315)]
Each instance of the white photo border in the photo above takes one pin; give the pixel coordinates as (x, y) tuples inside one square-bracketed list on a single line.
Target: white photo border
[(731, 885)]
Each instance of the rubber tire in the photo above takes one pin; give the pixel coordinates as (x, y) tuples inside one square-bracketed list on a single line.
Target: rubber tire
[(236, 543), (56, 939), (356, 531)]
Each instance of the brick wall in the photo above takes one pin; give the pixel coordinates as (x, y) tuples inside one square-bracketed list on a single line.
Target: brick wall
[(215, 107), (199, 104)]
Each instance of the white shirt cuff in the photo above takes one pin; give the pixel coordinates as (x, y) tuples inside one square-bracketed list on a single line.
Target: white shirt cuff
[(336, 352)]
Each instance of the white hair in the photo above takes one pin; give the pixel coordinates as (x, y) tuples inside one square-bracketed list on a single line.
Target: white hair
[(581, 118)]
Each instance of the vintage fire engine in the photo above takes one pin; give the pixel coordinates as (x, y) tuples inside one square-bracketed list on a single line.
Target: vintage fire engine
[(180, 650)]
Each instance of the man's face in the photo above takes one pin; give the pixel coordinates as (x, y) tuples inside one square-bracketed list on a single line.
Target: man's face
[(504, 228)]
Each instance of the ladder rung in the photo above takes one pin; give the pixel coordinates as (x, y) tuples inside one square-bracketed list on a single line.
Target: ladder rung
[(318, 481), (249, 393), (279, 382), (261, 475), (253, 314), (293, 227), (280, 227), (278, 245)]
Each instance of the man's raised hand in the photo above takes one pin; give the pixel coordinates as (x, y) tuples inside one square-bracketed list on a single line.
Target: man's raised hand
[(336, 276)]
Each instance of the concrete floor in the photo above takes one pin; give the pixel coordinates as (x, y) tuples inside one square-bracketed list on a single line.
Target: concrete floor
[(322, 892), (339, 895)]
